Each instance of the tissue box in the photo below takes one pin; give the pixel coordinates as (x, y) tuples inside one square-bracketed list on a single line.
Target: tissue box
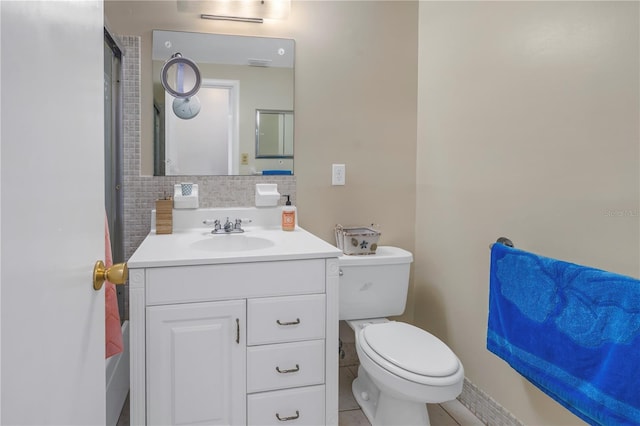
[(357, 240), (185, 196)]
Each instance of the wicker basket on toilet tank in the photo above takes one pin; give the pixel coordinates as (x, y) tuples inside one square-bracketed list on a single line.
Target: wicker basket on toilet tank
[(357, 240)]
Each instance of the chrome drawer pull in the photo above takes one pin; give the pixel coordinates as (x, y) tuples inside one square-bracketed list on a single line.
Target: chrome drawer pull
[(284, 419), (296, 322), (291, 370)]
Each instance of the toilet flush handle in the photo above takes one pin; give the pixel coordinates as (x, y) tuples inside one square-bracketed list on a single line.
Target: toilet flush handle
[(340, 272)]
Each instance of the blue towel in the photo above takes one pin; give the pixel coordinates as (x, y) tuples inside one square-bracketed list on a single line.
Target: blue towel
[(277, 172), (571, 330)]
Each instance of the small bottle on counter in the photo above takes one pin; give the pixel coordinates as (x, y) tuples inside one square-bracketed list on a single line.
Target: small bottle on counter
[(288, 216)]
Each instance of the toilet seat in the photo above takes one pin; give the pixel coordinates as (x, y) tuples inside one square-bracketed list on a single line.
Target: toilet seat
[(410, 352)]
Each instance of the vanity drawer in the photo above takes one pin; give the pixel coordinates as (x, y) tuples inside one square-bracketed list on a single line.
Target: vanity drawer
[(203, 283), (285, 319), (285, 365), (300, 406)]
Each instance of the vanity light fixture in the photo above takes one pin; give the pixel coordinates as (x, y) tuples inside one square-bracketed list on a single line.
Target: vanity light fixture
[(253, 62), (232, 18), (254, 11)]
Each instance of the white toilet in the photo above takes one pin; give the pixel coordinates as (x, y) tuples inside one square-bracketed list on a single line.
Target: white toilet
[(402, 367)]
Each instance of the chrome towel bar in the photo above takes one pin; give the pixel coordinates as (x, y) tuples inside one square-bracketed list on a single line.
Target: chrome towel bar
[(502, 240)]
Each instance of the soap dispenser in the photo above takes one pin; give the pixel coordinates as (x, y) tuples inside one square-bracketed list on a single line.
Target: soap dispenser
[(288, 216)]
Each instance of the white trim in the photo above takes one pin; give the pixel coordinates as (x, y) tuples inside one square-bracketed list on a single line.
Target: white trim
[(137, 346)]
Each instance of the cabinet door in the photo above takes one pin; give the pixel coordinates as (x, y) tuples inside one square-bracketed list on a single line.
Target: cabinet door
[(196, 357)]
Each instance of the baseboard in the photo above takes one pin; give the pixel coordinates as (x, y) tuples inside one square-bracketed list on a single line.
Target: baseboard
[(485, 408)]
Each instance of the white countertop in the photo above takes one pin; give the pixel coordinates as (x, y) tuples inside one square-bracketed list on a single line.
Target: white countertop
[(177, 249)]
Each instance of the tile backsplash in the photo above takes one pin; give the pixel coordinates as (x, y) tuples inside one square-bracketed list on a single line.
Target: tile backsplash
[(140, 192)]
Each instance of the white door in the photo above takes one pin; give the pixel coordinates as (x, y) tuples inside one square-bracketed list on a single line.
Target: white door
[(52, 213)]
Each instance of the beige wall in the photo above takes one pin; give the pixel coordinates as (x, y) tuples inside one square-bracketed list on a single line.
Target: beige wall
[(528, 127)]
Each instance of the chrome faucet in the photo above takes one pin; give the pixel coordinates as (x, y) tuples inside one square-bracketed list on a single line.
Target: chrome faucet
[(228, 227)]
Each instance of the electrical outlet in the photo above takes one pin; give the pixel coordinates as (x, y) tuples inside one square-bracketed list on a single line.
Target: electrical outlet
[(244, 159), (338, 174)]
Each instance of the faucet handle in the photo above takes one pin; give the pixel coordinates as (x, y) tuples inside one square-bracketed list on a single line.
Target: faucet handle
[(214, 222), (240, 221)]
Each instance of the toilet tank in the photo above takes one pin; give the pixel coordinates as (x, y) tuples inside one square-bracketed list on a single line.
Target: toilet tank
[(375, 285)]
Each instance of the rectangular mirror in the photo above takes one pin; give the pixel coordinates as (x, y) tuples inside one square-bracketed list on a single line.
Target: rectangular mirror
[(274, 134), (240, 75)]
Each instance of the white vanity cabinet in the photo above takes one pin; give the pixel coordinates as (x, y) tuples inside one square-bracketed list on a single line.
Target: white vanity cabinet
[(195, 363), (235, 343)]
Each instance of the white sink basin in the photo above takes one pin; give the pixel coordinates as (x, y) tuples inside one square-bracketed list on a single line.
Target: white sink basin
[(232, 242), (191, 243)]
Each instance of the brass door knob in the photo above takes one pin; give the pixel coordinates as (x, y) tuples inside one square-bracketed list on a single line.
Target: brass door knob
[(116, 274)]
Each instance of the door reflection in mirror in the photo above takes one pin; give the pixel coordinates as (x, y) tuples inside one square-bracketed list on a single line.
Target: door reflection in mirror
[(206, 144)]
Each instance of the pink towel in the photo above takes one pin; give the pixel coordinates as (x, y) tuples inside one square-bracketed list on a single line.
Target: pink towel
[(113, 331)]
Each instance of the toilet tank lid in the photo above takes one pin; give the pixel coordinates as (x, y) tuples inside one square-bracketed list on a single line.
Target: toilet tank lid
[(385, 255)]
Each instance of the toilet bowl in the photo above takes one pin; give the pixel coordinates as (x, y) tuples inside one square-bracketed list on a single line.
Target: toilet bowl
[(402, 367)]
